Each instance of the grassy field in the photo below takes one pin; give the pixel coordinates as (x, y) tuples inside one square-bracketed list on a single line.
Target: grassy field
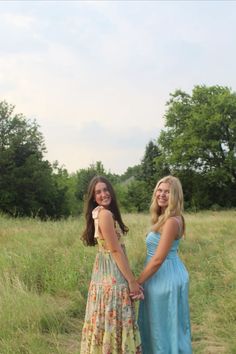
[(45, 272)]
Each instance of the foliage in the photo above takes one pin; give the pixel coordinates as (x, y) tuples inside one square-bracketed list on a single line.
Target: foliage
[(138, 198), (131, 172), (140, 180), (27, 183), (148, 169), (198, 144)]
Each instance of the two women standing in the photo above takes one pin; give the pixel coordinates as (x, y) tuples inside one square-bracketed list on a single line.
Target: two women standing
[(110, 326)]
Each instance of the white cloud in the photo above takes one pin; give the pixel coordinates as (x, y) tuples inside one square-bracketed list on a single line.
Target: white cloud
[(96, 75), (19, 21)]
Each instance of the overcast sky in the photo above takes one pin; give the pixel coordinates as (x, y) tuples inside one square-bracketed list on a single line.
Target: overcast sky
[(96, 75)]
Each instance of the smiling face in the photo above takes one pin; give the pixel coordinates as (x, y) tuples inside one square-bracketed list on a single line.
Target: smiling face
[(102, 195), (162, 195)]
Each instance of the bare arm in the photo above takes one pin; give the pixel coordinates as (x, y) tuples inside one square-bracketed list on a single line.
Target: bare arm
[(168, 235), (106, 224)]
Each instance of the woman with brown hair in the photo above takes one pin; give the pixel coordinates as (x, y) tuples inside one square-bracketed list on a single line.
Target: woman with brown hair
[(109, 326)]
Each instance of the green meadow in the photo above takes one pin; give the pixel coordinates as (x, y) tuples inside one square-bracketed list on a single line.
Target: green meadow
[(45, 272)]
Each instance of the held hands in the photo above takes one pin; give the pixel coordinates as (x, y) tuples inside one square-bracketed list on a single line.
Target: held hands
[(137, 295)]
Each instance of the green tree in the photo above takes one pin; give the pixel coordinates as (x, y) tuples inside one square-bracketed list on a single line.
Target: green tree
[(131, 173), (27, 184), (138, 198), (141, 179), (152, 167), (137, 183), (199, 143)]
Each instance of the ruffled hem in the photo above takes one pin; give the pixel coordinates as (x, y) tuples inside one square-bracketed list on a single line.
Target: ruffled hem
[(91, 344), (110, 326)]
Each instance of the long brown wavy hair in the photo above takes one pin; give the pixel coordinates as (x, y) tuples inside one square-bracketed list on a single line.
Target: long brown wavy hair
[(90, 203), (175, 205)]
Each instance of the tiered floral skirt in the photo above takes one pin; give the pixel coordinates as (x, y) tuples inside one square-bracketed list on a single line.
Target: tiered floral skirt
[(110, 326)]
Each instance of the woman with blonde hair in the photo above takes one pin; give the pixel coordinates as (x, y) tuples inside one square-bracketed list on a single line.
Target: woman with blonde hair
[(164, 319)]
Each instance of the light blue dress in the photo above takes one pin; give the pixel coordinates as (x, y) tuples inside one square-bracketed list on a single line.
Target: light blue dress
[(164, 320)]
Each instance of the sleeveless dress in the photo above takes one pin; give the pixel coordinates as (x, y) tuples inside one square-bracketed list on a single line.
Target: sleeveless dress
[(109, 326), (164, 320)]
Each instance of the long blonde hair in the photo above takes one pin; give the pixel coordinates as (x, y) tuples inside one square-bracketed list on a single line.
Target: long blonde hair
[(175, 204)]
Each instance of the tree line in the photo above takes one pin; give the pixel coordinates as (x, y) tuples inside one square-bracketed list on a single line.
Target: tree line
[(197, 144)]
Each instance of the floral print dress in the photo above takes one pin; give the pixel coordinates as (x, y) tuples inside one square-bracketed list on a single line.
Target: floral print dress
[(109, 326)]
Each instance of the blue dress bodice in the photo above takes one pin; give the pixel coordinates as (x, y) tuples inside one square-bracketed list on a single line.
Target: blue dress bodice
[(152, 241)]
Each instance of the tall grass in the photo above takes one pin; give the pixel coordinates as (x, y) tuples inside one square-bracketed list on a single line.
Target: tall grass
[(45, 272), (209, 253), (41, 297)]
